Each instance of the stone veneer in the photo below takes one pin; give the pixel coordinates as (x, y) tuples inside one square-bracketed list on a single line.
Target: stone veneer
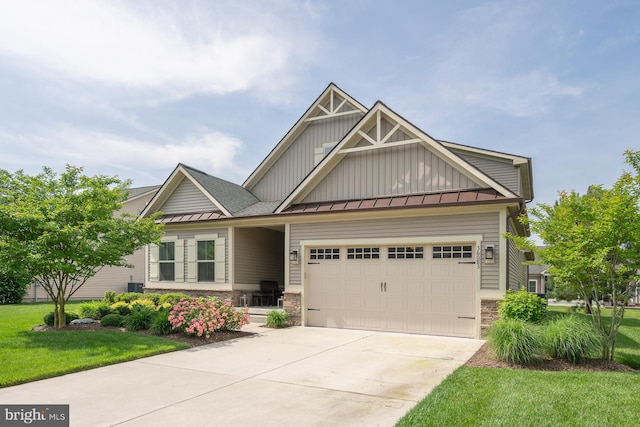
[(488, 313), (293, 306)]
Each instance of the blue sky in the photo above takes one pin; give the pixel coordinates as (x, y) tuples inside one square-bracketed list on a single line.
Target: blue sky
[(133, 88)]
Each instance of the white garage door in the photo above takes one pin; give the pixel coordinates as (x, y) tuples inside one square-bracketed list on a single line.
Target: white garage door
[(428, 289)]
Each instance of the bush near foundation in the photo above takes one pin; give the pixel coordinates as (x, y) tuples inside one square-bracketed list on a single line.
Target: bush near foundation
[(522, 305), (202, 317)]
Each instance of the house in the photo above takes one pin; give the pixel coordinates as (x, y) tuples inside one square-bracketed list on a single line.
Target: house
[(537, 280), (110, 278), (363, 220)]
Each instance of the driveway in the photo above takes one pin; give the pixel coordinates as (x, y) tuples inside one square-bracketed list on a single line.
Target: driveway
[(295, 376)]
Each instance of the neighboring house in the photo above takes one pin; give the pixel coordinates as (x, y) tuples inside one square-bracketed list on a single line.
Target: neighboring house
[(538, 276), (361, 218), (110, 278)]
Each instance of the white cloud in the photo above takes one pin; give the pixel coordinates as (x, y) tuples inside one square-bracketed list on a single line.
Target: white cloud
[(175, 48), (213, 152)]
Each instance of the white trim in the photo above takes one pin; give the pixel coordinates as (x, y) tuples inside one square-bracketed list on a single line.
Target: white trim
[(516, 160), (231, 237), (502, 251), (379, 146), (287, 263)]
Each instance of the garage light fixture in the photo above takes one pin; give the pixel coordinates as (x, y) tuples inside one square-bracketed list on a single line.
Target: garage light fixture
[(293, 256), (489, 253)]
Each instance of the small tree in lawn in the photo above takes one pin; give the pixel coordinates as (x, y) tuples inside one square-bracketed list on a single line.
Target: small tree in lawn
[(593, 246), (63, 229)]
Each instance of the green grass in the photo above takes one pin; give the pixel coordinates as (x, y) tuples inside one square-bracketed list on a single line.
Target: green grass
[(505, 397), (28, 356)]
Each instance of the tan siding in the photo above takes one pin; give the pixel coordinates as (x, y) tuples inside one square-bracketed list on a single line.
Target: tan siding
[(187, 198), (299, 159), (389, 171), (485, 224), (259, 255), (502, 171), (517, 271)]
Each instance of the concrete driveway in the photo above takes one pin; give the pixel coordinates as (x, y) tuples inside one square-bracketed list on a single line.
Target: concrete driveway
[(294, 376)]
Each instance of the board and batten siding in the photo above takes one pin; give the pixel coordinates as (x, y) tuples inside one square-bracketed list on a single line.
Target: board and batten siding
[(502, 171), (187, 198), (392, 171), (299, 159), (258, 255), (485, 224)]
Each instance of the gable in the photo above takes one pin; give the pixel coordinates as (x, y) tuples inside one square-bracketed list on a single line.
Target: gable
[(187, 198), (393, 171), (323, 125), (374, 139)]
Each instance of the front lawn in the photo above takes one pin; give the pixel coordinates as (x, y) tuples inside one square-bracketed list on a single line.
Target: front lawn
[(28, 356), (506, 397)]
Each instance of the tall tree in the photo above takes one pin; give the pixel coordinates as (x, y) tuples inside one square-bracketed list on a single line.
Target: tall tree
[(63, 229), (593, 246)]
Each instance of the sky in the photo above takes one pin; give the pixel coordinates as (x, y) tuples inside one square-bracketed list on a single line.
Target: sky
[(134, 88)]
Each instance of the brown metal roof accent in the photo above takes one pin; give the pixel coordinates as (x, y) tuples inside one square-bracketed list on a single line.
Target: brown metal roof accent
[(448, 198), (190, 217)]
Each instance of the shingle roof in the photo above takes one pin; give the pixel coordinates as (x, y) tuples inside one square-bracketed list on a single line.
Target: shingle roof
[(138, 191), (232, 196)]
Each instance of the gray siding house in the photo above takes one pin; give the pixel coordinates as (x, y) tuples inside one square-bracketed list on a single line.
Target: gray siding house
[(359, 218)]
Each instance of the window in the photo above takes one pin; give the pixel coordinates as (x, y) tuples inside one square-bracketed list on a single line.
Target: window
[(406, 252), (321, 152), (533, 286), (363, 253), (446, 252), (167, 258), (206, 260), (324, 253)]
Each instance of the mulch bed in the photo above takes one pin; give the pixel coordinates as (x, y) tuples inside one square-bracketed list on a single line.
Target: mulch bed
[(486, 358), (191, 341)]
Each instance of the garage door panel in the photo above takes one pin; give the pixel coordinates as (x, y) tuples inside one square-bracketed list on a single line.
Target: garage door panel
[(418, 295)]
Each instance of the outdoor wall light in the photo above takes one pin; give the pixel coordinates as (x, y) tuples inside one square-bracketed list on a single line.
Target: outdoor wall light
[(489, 253), (293, 256)]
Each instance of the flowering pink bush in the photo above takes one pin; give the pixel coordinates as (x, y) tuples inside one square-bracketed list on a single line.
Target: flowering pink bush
[(202, 317)]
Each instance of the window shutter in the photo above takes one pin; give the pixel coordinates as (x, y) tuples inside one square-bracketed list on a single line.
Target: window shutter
[(153, 262), (219, 269), (192, 261), (179, 261)]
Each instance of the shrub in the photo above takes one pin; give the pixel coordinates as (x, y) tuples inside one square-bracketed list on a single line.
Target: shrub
[(277, 319), (121, 307), (142, 303), (155, 298), (140, 318), (522, 305), (109, 297), (95, 309), (172, 298), (516, 341), (48, 318), (161, 324), (572, 339), (13, 288), (199, 316), (128, 296), (113, 319)]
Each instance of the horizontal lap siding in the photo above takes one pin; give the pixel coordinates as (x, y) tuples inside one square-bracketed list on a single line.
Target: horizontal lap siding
[(187, 198), (299, 159), (517, 270), (501, 171), (407, 169), (258, 255), (485, 224)]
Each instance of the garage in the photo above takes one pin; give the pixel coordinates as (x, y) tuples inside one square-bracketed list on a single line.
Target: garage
[(424, 289)]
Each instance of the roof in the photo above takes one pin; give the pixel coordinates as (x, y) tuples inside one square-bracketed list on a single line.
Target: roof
[(140, 191), (449, 198), (232, 196)]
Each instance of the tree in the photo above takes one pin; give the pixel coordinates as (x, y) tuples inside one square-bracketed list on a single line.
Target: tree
[(63, 229), (593, 246)]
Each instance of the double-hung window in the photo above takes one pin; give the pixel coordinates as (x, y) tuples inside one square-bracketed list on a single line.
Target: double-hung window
[(206, 260), (167, 261)]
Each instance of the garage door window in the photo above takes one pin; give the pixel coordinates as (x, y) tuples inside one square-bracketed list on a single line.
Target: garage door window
[(406, 252), (363, 253), (324, 253), (447, 252)]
